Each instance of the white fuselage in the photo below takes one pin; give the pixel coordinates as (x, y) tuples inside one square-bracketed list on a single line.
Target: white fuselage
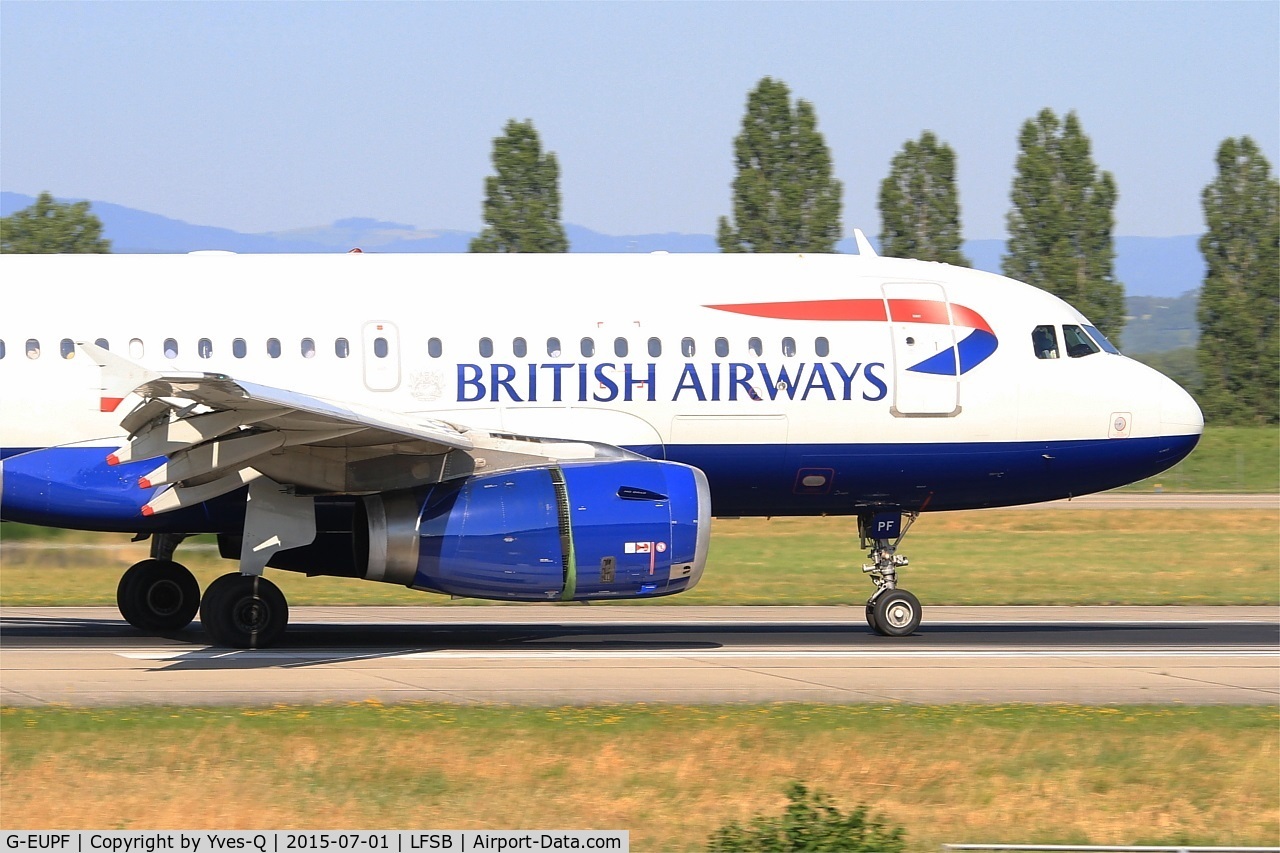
[(653, 352)]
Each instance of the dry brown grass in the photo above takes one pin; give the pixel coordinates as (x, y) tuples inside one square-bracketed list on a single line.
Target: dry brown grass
[(669, 775)]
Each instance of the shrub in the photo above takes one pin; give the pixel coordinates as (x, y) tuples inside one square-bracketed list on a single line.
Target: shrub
[(809, 823)]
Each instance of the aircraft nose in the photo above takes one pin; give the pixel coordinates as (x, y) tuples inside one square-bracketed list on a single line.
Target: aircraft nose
[(1181, 423), (1179, 413)]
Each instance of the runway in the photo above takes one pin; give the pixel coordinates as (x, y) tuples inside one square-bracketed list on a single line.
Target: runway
[(551, 655), (1161, 500)]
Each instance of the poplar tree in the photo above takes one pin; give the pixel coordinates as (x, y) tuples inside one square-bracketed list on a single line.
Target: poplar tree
[(784, 196), (52, 227), (919, 204), (1061, 221), (1239, 306), (522, 201)]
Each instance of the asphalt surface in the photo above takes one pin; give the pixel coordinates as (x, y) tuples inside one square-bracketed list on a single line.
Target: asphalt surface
[(566, 654), (1161, 500)]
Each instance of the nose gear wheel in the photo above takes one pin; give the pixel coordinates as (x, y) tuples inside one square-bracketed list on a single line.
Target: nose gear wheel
[(895, 613)]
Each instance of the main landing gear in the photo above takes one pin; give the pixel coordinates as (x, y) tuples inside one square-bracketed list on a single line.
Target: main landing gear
[(160, 596), (244, 612), (891, 611)]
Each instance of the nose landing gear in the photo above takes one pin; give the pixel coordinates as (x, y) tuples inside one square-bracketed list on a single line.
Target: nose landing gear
[(891, 612)]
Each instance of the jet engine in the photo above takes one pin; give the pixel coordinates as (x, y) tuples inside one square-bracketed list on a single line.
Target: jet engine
[(571, 532)]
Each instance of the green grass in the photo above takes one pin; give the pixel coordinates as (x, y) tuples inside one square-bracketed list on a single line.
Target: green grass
[(1008, 557), (668, 774), (1026, 556), (1227, 459)]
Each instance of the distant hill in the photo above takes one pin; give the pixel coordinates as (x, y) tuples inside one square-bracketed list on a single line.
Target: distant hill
[(1160, 323), (1148, 266)]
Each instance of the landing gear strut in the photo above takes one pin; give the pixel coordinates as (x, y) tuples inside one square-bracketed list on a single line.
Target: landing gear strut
[(891, 611), (158, 594)]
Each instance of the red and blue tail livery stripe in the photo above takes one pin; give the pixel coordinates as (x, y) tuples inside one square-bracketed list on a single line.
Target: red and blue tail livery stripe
[(976, 347)]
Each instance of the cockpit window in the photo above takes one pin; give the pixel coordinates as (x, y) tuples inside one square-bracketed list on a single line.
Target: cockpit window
[(1102, 341), (1077, 342), (1044, 339)]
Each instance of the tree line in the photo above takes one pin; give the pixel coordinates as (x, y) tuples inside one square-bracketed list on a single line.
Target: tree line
[(785, 198)]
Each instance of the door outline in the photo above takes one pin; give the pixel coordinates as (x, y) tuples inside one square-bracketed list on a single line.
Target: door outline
[(920, 394), (381, 373)]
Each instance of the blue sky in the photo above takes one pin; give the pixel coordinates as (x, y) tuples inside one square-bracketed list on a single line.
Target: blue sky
[(272, 116)]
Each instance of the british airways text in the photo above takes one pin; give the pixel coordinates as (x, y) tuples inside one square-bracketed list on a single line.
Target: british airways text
[(717, 381)]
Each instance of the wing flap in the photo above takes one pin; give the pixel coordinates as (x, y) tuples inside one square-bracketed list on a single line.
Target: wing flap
[(216, 434), (174, 431), (177, 497)]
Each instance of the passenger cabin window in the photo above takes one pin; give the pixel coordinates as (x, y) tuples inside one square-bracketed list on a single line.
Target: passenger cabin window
[(136, 349), (519, 348), (1044, 340), (553, 347), (342, 348), (655, 347), (67, 348), (588, 347), (1, 348), (33, 348), (273, 347), (204, 348), (486, 348), (687, 348), (822, 347), (102, 342), (434, 347), (308, 348), (380, 347), (722, 347), (755, 346), (788, 347), (1078, 344), (239, 348), (170, 348), (620, 347)]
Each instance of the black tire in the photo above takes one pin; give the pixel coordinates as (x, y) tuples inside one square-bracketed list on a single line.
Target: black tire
[(158, 595), (896, 613), (871, 618), (244, 612)]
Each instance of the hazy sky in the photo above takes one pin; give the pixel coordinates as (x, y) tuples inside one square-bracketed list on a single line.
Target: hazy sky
[(271, 116)]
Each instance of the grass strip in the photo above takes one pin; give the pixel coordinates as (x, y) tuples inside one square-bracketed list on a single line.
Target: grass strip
[(992, 557), (1142, 775), (1227, 459)]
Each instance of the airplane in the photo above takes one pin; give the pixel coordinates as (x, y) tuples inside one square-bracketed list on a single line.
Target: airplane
[(540, 427)]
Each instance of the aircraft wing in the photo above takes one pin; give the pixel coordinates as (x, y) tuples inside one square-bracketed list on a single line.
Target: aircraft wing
[(211, 434)]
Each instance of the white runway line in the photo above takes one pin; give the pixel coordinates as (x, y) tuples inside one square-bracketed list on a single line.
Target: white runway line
[(739, 653)]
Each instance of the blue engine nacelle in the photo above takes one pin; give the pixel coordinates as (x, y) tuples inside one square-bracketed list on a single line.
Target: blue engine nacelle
[(569, 532)]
